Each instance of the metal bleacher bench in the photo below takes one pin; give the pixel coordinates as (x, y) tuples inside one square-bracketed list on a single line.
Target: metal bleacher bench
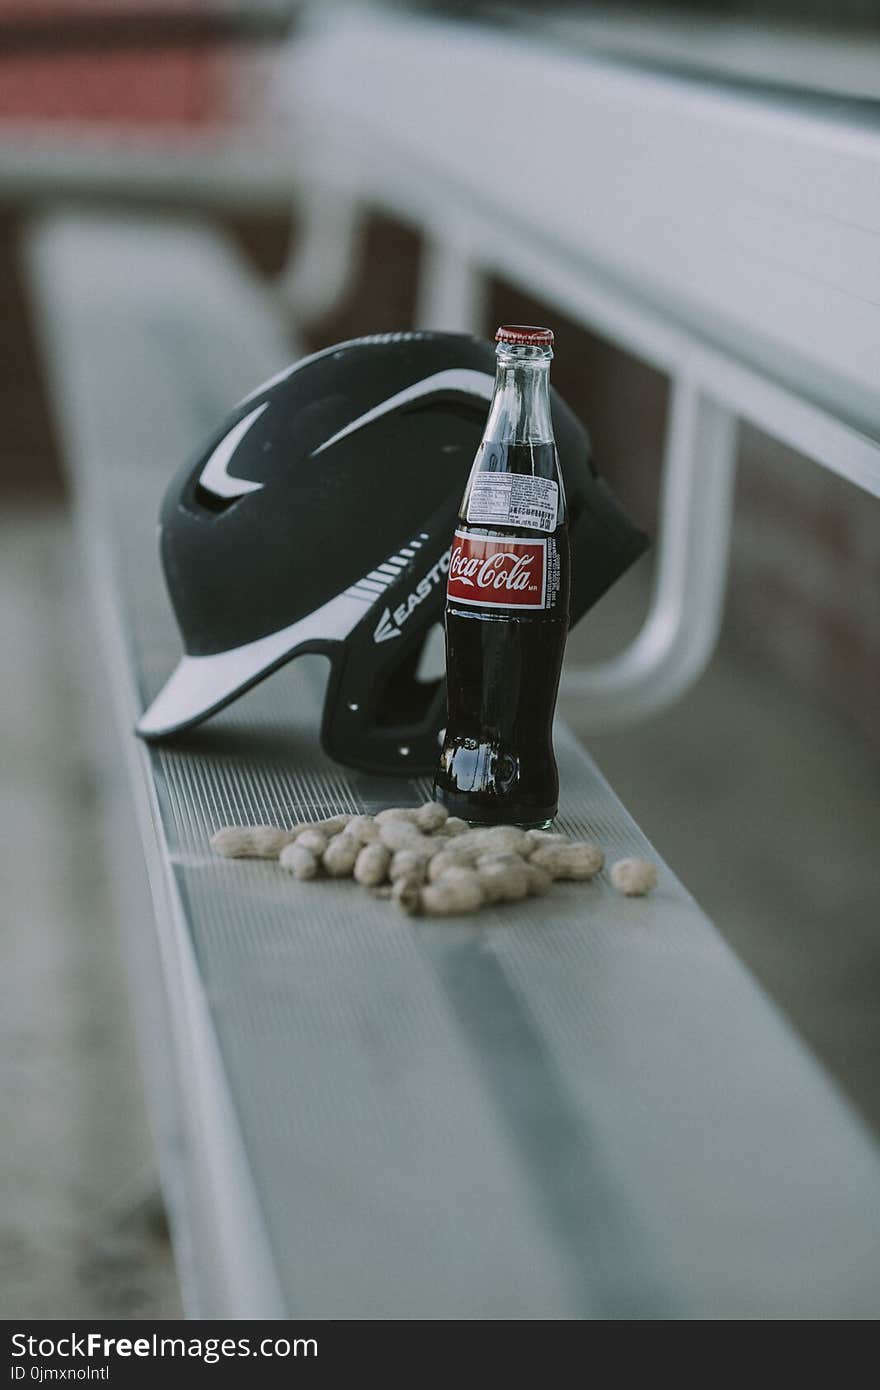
[(577, 1107)]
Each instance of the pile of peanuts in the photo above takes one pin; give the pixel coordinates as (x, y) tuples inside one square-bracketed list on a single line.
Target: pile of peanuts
[(429, 863)]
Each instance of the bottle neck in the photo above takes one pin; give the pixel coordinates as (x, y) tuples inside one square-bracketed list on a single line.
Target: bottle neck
[(520, 409)]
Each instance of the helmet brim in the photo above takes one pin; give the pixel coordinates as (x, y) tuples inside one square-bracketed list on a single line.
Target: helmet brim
[(201, 685)]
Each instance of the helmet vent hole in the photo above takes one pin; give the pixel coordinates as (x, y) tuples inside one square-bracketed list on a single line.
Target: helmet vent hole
[(431, 665), (212, 501), (465, 408), (410, 689)]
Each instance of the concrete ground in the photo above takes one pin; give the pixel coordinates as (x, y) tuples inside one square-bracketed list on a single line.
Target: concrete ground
[(764, 806), (76, 1240)]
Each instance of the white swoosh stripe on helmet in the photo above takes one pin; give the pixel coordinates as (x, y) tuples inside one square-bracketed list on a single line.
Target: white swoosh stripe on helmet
[(468, 382), (214, 476), (216, 479)]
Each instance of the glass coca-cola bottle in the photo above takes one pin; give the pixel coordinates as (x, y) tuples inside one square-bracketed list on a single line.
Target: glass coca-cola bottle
[(507, 603)]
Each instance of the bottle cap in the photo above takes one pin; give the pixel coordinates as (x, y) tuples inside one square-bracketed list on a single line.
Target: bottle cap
[(525, 334)]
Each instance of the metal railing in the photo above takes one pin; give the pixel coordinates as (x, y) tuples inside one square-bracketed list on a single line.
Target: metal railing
[(409, 115)]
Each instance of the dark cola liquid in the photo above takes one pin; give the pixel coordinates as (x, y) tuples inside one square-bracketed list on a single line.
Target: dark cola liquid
[(503, 666)]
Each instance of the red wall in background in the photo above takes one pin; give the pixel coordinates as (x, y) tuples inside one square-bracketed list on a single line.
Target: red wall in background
[(96, 60), (117, 66)]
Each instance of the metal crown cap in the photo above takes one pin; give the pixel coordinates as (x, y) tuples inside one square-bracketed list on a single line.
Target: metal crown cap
[(525, 334)]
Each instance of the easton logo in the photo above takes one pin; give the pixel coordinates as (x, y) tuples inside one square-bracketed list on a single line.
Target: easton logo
[(498, 573), (390, 623)]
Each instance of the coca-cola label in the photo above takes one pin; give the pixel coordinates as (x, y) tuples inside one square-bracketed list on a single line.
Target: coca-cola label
[(498, 572)]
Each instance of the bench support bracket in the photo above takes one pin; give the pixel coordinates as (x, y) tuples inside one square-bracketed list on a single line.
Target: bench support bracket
[(679, 634)]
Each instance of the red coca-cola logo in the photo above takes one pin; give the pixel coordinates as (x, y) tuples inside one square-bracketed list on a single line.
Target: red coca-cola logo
[(501, 572)]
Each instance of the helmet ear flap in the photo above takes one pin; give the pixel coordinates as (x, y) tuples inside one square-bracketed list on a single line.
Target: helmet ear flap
[(380, 714)]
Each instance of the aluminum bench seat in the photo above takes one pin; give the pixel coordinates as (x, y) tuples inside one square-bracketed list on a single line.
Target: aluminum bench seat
[(576, 1107)]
